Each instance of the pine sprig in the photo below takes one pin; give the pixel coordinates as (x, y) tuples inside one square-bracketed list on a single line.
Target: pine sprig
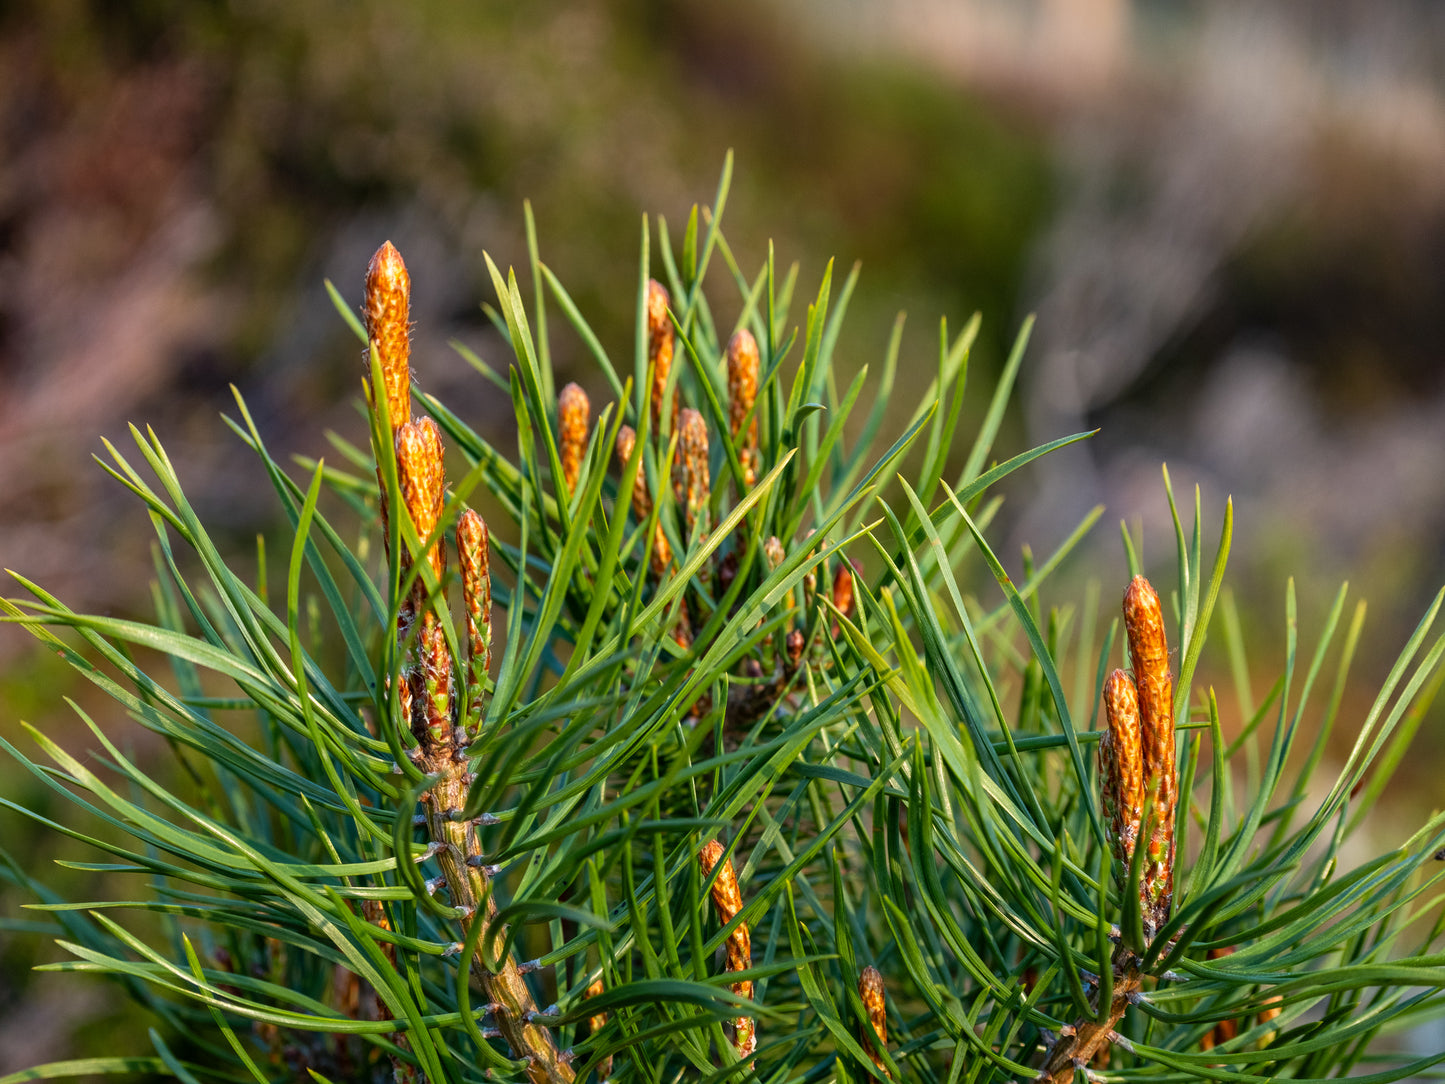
[(728, 750)]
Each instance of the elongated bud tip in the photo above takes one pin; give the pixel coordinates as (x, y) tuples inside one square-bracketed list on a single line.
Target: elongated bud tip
[(657, 303), (871, 992), (626, 441), (1121, 767), (743, 365), (573, 415), (388, 327), (708, 856), (659, 351), (1144, 623), (725, 892), (843, 589), (692, 435)]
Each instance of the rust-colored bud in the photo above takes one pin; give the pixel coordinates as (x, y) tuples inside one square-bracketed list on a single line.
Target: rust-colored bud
[(1149, 648), (423, 489), (843, 588), (573, 414), (642, 502), (796, 642), (1121, 770), (659, 352), (743, 365), (423, 483), (473, 549), (1225, 1029), (387, 316), (691, 477), (728, 901), (598, 1021), (874, 1034)]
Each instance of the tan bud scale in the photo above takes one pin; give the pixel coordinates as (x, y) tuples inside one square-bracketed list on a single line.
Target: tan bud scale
[(659, 352), (728, 900), (573, 416), (1121, 770), (1149, 648), (870, 990), (743, 366), (473, 548), (387, 315)]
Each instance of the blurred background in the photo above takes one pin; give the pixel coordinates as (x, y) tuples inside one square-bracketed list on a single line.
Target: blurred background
[(1229, 218)]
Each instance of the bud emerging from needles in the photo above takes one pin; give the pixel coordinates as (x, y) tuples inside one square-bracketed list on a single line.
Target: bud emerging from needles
[(659, 352), (743, 365), (573, 414), (870, 989), (473, 548), (387, 315), (642, 501), (843, 588), (1121, 770), (423, 483), (423, 490), (796, 642), (729, 901), (691, 478), (1144, 623), (1225, 1029), (598, 1021)]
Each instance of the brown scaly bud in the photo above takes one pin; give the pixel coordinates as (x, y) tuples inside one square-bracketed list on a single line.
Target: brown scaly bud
[(387, 313), (423, 489), (423, 483), (773, 554), (728, 901), (474, 550), (691, 477), (1121, 771), (598, 1021), (870, 990), (796, 642), (573, 414), (1148, 647), (743, 365), (659, 352), (642, 502)]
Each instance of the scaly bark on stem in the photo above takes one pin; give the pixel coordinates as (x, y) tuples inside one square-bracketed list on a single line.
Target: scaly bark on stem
[(1076, 1047)]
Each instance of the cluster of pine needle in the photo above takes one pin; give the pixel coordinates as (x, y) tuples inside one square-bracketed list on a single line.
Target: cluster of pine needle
[(728, 750)]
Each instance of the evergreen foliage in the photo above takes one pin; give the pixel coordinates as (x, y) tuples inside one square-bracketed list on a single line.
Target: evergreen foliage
[(718, 770)]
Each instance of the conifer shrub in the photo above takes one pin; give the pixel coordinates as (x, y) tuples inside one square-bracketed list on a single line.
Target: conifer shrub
[(730, 752)]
